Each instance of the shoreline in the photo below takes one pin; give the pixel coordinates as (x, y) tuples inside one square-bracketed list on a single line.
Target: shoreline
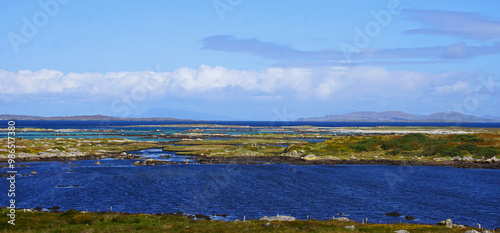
[(264, 160), (299, 161), (53, 220)]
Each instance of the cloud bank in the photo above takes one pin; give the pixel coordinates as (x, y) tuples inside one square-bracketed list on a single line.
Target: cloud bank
[(218, 82)]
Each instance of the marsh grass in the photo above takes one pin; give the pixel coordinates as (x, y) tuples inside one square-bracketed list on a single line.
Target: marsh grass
[(74, 221)]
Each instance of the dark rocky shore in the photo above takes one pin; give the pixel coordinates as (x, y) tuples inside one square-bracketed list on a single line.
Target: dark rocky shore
[(299, 161), (71, 157), (267, 160)]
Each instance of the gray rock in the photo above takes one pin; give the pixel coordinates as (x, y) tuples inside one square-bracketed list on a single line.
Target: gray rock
[(458, 226), (495, 160), (309, 157), (472, 231), (350, 227), (468, 159), (278, 218), (294, 153), (402, 231), (353, 157), (341, 219), (331, 158), (448, 223)]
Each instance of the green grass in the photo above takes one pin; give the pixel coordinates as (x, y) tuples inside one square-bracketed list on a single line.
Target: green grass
[(419, 146), (73, 221), (424, 147), (87, 146)]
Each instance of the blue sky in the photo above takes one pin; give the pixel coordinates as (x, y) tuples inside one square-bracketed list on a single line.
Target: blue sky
[(248, 60)]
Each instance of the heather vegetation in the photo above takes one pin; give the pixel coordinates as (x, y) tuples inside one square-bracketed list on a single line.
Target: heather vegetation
[(409, 145)]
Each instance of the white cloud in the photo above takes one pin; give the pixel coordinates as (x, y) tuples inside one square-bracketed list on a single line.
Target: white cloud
[(458, 87), (322, 83)]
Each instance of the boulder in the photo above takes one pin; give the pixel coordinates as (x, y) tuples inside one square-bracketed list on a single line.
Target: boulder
[(350, 227), (278, 218), (402, 231), (294, 153), (393, 214), (341, 219), (309, 157), (353, 157), (331, 158), (201, 216), (409, 217), (472, 231), (468, 159), (448, 223), (153, 162), (97, 163), (495, 160), (458, 226)]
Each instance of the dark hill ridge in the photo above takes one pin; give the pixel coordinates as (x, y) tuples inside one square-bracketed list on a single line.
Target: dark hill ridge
[(449, 116), (83, 118)]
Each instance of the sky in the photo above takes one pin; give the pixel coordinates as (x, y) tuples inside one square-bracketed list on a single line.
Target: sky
[(248, 59)]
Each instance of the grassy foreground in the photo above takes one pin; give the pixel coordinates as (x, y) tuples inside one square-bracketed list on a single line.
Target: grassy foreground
[(73, 221)]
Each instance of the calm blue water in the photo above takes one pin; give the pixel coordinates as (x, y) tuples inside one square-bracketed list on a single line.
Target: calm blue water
[(430, 194)]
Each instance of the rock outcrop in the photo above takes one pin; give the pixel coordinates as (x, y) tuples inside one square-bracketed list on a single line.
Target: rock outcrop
[(341, 219), (309, 157), (278, 218), (152, 162)]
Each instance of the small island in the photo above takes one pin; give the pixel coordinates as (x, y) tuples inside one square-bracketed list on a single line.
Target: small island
[(227, 144)]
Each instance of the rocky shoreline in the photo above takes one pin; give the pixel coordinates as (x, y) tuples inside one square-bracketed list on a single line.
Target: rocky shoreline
[(24, 157), (459, 163), (300, 161)]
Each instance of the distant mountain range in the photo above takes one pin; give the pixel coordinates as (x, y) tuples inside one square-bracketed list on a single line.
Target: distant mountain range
[(183, 114), (84, 118), (388, 116), (365, 116)]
